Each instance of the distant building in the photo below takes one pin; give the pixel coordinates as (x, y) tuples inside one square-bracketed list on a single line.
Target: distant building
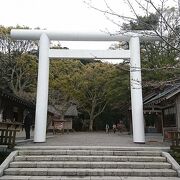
[(70, 114), (12, 107), (162, 110), (65, 121)]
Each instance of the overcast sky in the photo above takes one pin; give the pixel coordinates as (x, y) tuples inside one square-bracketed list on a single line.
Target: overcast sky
[(67, 15), (64, 15)]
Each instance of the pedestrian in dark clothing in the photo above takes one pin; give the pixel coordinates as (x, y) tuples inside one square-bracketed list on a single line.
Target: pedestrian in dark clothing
[(27, 124), (107, 128)]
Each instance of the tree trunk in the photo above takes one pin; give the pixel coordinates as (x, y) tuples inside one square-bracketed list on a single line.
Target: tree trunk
[(91, 114), (91, 124)]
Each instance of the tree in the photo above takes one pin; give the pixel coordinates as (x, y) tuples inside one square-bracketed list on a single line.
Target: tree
[(160, 60), (61, 73), (149, 22), (13, 47), (144, 13), (22, 77), (18, 67), (94, 87)]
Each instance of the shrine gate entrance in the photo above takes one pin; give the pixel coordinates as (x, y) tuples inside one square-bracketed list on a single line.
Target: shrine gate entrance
[(45, 36)]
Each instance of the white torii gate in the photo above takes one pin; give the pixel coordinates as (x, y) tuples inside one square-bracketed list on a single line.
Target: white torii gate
[(45, 53)]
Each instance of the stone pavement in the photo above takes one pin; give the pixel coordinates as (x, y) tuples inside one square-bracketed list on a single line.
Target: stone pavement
[(96, 139)]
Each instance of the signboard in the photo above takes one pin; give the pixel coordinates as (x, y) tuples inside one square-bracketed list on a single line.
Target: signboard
[(58, 125)]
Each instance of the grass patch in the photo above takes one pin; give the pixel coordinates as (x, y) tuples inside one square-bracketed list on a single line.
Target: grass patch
[(176, 155)]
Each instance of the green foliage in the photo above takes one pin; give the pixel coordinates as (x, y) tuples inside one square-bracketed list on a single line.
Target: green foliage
[(19, 74), (160, 60), (159, 64), (175, 153), (98, 85), (61, 72), (149, 22), (93, 86), (3, 155)]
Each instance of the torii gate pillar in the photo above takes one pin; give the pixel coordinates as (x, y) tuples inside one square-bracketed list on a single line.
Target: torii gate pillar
[(136, 91), (42, 90)]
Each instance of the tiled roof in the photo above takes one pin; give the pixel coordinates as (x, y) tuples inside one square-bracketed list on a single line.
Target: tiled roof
[(52, 110), (15, 98), (163, 95), (72, 111)]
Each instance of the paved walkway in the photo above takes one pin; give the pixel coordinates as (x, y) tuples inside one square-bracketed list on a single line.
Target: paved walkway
[(96, 139)]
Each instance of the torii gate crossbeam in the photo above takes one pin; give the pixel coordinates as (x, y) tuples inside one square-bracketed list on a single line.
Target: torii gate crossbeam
[(89, 54), (46, 36)]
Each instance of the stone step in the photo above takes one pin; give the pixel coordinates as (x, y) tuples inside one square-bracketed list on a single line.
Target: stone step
[(91, 158), (84, 178), (89, 172), (75, 164), (90, 152), (92, 148)]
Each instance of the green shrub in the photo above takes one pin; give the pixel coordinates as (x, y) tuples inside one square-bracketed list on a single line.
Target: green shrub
[(3, 155)]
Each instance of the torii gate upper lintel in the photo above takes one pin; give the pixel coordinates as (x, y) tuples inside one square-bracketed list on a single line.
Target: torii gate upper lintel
[(45, 36)]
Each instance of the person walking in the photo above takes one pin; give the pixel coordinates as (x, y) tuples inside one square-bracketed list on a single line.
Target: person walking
[(107, 128), (27, 124), (114, 128)]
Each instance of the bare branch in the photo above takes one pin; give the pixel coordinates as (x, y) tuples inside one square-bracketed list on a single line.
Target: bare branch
[(109, 12), (160, 13)]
